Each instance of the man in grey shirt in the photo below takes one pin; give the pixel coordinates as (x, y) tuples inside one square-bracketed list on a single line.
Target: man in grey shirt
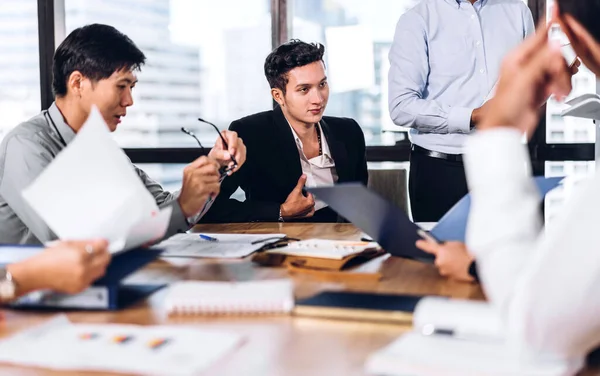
[(95, 65)]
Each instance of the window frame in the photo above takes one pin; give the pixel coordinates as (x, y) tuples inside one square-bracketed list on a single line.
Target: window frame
[(51, 29)]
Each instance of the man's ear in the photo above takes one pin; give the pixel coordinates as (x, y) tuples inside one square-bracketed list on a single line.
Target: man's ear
[(585, 45), (277, 95), (75, 83)]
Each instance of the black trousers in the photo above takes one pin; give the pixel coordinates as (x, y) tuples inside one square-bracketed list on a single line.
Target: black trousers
[(434, 186)]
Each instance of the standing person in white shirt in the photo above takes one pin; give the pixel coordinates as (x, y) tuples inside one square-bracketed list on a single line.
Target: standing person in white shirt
[(543, 284), (444, 62)]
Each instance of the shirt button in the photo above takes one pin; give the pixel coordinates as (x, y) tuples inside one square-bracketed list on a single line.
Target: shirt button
[(482, 71), (472, 16), (477, 43)]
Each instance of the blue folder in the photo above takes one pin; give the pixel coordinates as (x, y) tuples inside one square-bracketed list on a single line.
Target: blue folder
[(107, 293), (453, 225), (391, 227)]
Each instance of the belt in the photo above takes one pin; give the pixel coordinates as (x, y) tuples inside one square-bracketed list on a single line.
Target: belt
[(436, 154)]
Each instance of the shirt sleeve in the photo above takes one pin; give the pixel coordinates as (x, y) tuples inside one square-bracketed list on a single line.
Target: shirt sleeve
[(24, 161), (543, 284), (528, 22), (408, 74)]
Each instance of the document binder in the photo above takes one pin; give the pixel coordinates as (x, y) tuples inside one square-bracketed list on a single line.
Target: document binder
[(107, 293)]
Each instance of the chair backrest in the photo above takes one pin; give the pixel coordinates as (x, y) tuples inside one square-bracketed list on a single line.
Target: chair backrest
[(391, 184)]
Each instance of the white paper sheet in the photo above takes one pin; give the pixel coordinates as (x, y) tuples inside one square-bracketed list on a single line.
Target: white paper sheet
[(61, 345), (91, 190), (414, 354), (466, 318), (227, 246)]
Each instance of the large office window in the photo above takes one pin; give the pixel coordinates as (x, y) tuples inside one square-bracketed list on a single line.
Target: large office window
[(19, 63), (559, 129), (568, 130), (204, 59), (357, 36)]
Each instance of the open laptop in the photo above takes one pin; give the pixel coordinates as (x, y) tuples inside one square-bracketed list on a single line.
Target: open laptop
[(391, 227)]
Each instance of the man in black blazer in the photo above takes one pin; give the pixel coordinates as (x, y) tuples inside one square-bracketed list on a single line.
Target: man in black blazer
[(292, 146)]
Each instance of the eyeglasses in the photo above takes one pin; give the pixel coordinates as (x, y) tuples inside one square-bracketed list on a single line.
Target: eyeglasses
[(224, 170)]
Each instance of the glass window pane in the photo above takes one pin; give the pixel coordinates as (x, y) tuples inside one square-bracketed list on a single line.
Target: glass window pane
[(576, 172), (169, 176), (19, 65), (357, 35), (570, 129), (204, 59)]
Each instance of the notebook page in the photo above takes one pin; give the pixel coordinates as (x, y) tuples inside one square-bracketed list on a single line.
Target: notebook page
[(329, 249)]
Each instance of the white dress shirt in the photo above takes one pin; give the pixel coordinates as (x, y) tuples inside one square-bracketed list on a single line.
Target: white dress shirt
[(444, 62), (320, 170), (544, 284)]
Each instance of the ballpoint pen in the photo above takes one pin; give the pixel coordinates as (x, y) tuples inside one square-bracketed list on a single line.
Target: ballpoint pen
[(208, 238)]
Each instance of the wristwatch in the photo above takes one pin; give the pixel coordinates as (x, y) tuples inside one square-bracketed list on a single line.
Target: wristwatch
[(8, 286), (280, 219)]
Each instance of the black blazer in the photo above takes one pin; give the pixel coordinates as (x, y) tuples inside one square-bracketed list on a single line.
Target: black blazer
[(272, 167)]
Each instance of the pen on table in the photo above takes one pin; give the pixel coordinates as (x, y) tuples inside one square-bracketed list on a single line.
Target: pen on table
[(208, 238), (432, 330)]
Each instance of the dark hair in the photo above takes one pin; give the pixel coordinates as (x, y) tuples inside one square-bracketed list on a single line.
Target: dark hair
[(97, 51), (586, 12), (288, 56)]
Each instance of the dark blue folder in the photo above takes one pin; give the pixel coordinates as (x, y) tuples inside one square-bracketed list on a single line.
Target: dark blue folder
[(390, 226), (107, 293)]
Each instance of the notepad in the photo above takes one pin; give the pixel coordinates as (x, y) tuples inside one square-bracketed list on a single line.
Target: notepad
[(329, 249), (348, 305), (224, 298)]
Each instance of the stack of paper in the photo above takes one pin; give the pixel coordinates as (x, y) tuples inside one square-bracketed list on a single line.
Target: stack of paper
[(224, 245), (158, 350), (91, 190)]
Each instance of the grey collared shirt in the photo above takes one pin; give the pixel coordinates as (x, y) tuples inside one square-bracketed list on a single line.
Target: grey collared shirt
[(24, 153)]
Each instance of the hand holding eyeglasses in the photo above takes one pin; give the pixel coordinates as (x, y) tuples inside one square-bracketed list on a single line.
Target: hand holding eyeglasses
[(201, 179), (229, 150)]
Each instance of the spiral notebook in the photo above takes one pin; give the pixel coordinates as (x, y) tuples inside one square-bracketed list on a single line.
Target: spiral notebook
[(230, 298)]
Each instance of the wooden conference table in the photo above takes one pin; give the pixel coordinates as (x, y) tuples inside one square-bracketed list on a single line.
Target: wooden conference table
[(274, 345)]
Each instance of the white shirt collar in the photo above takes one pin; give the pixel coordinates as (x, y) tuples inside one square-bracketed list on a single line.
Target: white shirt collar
[(324, 144)]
